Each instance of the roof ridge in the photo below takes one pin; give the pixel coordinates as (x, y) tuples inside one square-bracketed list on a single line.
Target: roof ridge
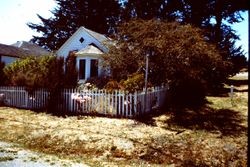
[(94, 33)]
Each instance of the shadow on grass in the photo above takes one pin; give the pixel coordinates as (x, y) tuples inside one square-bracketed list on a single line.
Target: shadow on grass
[(224, 121)]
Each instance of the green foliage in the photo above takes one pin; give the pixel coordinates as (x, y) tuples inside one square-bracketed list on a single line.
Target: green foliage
[(3, 78), (216, 17), (23, 72), (103, 16), (99, 82), (239, 63), (71, 73), (134, 82), (178, 54), (112, 85), (46, 72), (97, 15)]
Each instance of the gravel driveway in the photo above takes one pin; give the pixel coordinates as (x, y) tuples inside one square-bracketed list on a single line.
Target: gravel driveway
[(13, 156)]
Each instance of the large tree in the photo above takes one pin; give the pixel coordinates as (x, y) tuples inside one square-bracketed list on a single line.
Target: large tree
[(97, 15), (215, 16), (179, 55)]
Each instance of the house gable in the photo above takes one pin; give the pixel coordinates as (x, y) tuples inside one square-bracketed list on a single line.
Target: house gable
[(81, 39)]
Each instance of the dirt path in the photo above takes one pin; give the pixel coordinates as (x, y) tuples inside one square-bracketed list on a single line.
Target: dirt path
[(13, 156)]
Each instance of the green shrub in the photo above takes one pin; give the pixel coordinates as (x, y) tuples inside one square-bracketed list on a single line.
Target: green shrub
[(99, 82), (70, 78), (31, 72), (3, 78), (135, 82), (112, 85), (187, 93)]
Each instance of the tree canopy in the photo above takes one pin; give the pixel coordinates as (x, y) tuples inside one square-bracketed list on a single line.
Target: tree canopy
[(179, 55), (214, 16), (97, 15)]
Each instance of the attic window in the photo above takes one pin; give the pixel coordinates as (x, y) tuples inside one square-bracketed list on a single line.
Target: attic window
[(81, 39)]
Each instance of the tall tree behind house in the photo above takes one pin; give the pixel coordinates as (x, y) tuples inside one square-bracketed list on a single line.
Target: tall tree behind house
[(97, 15), (214, 16)]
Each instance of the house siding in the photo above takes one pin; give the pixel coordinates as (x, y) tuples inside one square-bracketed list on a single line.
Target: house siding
[(7, 59), (74, 43), (81, 40)]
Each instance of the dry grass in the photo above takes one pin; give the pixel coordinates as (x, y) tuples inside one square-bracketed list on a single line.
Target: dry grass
[(215, 135)]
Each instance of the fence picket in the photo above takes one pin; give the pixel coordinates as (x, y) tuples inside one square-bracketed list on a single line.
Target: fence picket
[(116, 103)]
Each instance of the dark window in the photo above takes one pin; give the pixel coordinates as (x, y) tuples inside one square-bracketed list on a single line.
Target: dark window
[(82, 64), (94, 68), (81, 39)]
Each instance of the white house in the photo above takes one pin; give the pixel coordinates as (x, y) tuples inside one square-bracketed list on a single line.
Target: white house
[(88, 47), (9, 54), (18, 50)]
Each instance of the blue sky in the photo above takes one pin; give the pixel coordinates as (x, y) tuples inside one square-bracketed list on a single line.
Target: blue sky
[(242, 30), (14, 14)]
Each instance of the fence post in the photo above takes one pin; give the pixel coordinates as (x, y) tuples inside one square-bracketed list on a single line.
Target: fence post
[(135, 104), (116, 103)]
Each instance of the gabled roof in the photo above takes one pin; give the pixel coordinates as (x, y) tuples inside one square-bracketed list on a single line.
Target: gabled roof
[(96, 35), (12, 51), (31, 49), (22, 49), (90, 49), (102, 39)]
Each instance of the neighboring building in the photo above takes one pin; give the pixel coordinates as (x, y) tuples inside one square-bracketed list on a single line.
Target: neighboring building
[(22, 49), (31, 49), (8, 53), (88, 47)]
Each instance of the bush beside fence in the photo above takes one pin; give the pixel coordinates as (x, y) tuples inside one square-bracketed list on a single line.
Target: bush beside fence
[(117, 103)]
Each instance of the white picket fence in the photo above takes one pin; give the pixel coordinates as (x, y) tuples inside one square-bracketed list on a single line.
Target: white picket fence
[(116, 103)]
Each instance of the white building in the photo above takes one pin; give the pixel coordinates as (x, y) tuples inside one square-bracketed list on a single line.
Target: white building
[(20, 49), (88, 46)]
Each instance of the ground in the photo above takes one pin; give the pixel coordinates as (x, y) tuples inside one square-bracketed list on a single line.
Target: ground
[(12, 155), (213, 135)]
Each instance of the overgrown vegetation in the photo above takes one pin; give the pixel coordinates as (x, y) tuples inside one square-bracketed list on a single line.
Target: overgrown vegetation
[(71, 73), (2, 74), (214, 135), (178, 54), (32, 72), (48, 72)]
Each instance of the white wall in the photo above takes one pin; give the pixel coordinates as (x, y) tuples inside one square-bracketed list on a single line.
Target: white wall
[(7, 59), (73, 43)]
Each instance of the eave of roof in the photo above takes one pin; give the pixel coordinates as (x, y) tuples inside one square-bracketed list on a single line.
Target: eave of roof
[(99, 37), (12, 51), (90, 49), (31, 48)]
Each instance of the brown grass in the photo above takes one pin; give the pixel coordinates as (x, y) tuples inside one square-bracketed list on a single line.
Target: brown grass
[(214, 135)]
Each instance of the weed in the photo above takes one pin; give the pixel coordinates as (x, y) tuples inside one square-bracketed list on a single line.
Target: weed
[(7, 158), (214, 135)]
